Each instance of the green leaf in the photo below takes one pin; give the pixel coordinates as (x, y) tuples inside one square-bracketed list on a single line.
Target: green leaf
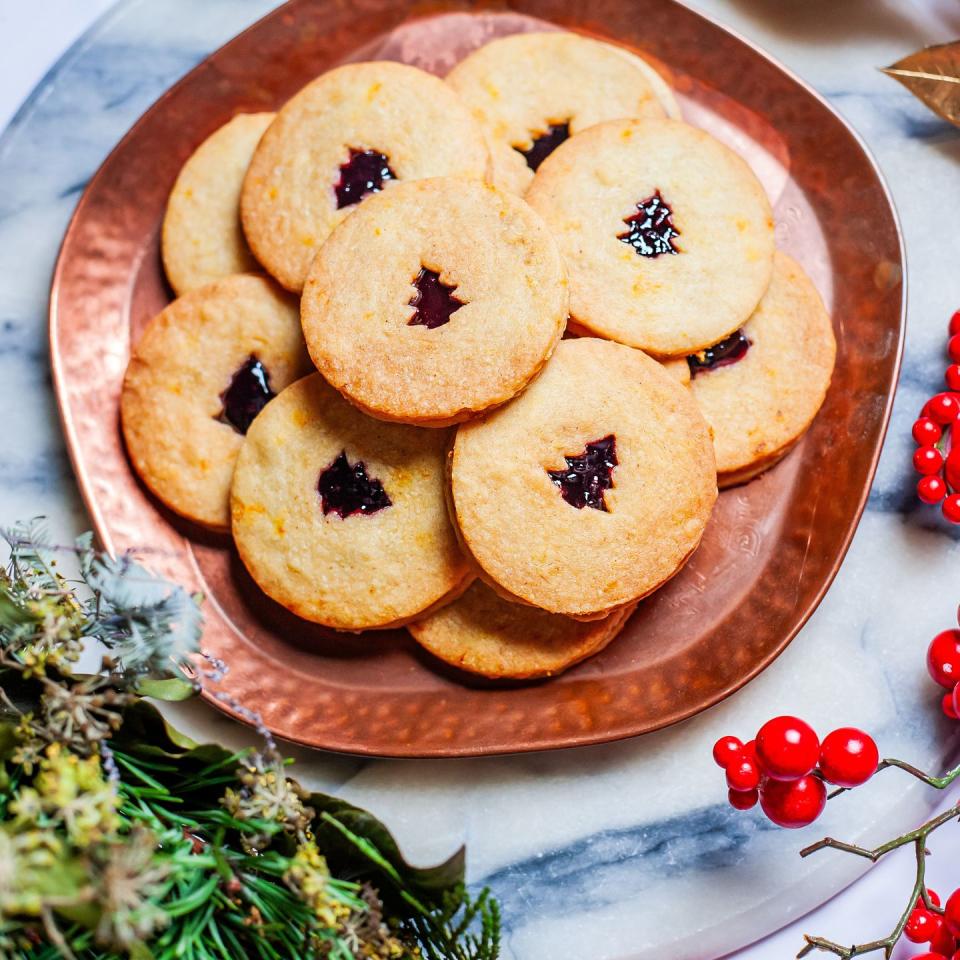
[(349, 860), (145, 731), (172, 689)]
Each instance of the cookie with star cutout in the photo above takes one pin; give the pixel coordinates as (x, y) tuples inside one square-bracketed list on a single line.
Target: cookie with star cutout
[(592, 488), (483, 633), (198, 376), (761, 387), (352, 132), (667, 233), (531, 91), (342, 519), (465, 304)]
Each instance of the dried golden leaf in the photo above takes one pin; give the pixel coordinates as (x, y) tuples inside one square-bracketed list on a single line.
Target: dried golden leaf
[(933, 75)]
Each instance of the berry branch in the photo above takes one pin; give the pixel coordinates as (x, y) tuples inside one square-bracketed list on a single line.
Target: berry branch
[(786, 769)]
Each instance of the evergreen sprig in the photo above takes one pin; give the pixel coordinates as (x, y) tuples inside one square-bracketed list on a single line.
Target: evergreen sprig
[(120, 837)]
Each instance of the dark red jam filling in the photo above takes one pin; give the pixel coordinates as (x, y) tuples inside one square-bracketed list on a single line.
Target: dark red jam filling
[(587, 476), (434, 301), (346, 490), (249, 392), (365, 172), (544, 144), (651, 230), (721, 354)]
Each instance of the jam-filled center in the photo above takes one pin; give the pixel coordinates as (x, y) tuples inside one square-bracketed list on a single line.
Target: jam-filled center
[(434, 302), (365, 172), (588, 475), (651, 231), (722, 354), (346, 489), (544, 144), (249, 392)]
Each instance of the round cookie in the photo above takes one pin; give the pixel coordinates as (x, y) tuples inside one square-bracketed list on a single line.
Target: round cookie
[(435, 301), (483, 633), (342, 519), (350, 132), (592, 488), (529, 91), (200, 372), (202, 240), (667, 233), (760, 389)]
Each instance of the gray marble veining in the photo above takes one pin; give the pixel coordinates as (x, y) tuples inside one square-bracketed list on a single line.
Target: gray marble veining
[(595, 852)]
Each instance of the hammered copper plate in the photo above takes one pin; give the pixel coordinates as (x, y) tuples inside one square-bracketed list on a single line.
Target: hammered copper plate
[(772, 547)]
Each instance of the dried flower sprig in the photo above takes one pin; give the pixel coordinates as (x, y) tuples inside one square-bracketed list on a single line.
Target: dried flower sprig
[(121, 837)]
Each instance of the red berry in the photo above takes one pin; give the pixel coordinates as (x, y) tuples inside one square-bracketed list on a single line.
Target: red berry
[(949, 705), (952, 471), (926, 432), (788, 748), (955, 322), (743, 799), (942, 407), (793, 803), (750, 747), (922, 926), (743, 774), (931, 489), (726, 750), (927, 460), (944, 943), (934, 899), (848, 757), (952, 377), (951, 508), (953, 348), (951, 913), (943, 658)]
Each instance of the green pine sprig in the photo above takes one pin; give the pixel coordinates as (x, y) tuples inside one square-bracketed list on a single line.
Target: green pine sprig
[(120, 837)]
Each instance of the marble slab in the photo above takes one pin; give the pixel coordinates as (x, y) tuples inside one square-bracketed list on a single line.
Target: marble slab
[(626, 851)]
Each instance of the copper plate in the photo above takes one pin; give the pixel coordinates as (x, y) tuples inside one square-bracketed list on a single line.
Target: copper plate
[(772, 547)]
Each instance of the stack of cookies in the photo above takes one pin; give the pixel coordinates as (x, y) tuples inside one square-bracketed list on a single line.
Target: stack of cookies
[(472, 355)]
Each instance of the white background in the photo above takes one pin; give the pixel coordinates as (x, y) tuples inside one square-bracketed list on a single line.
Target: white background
[(32, 37)]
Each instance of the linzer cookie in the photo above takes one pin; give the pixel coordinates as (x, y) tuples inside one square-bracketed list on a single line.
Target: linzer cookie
[(667, 234), (435, 301), (592, 488), (530, 91), (202, 240), (203, 369), (483, 633), (350, 133), (342, 519), (760, 387)]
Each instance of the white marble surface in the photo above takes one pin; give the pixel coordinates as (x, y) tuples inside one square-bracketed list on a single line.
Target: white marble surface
[(627, 851)]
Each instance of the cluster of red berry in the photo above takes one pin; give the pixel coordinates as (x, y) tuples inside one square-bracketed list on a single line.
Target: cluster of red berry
[(941, 929), (787, 766), (943, 662), (937, 433)]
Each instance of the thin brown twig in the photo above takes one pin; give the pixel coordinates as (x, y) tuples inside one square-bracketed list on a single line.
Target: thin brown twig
[(919, 893)]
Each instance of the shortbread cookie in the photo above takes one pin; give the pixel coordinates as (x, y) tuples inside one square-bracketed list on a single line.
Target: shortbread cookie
[(483, 633), (350, 133), (760, 388), (530, 91), (203, 369), (435, 301), (667, 233), (592, 488), (342, 519), (202, 240)]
